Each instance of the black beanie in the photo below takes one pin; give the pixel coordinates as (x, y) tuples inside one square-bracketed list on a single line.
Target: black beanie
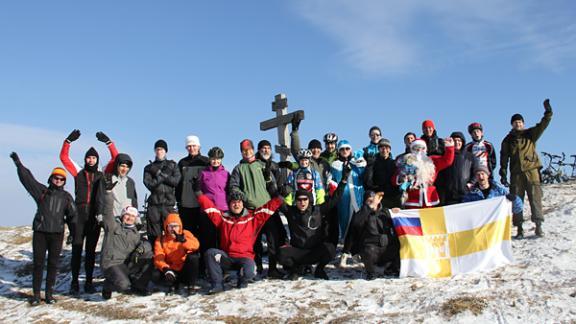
[(314, 144), (516, 117), (92, 152), (263, 143), (161, 143), (302, 192)]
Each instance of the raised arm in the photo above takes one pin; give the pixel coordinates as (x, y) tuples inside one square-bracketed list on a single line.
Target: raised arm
[(111, 147), (34, 188), (538, 129), (68, 163)]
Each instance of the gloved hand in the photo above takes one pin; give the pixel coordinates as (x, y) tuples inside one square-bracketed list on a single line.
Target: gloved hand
[(69, 239), (169, 275), (511, 197), (346, 170), (296, 122), (103, 138), (154, 168), (272, 189), (504, 182), (196, 186), (547, 106), (179, 237), (108, 184), (14, 156), (267, 170), (74, 135), (285, 164)]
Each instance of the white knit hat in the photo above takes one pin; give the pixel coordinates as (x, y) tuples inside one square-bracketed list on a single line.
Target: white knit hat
[(131, 211), (192, 140)]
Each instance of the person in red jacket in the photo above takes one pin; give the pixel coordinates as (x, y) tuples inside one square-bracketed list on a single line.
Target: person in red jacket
[(86, 229), (417, 172), (238, 228), (175, 254)]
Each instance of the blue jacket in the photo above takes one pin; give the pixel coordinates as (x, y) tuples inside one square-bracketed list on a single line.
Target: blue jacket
[(496, 190)]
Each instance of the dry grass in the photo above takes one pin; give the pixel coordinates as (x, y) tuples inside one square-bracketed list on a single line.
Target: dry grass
[(246, 320), (458, 305), (105, 310), (20, 239)]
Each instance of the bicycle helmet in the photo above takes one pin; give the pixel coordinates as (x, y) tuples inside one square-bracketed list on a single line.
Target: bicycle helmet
[(304, 154), (474, 126), (330, 138), (216, 153)]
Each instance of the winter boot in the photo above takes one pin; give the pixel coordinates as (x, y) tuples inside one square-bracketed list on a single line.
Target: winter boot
[(74, 287), (216, 289), (89, 287), (190, 290), (370, 276), (34, 300), (538, 231), (274, 273), (321, 274), (519, 233), (106, 294), (49, 300)]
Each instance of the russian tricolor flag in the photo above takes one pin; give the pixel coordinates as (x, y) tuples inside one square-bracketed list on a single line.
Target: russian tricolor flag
[(407, 226)]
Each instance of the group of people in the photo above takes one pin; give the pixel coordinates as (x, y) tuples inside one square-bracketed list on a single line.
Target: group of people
[(203, 221)]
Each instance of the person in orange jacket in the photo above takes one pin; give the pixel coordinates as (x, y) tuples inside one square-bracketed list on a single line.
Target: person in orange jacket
[(175, 254)]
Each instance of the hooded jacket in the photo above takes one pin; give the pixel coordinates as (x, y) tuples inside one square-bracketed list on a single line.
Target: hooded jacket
[(169, 253), (434, 144), (378, 176), (239, 233), (519, 147), (248, 177), (459, 175), (55, 206), (213, 184), (162, 185), (124, 193)]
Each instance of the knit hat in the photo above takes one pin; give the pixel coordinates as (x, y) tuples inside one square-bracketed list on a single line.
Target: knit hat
[(263, 143), (482, 168), (162, 143), (344, 144), (314, 144), (516, 117), (245, 144), (428, 123), (192, 140), (303, 193), (129, 210), (384, 142), (418, 143), (58, 171), (92, 152)]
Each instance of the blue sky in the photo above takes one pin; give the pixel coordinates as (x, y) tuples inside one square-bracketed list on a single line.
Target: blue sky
[(144, 70)]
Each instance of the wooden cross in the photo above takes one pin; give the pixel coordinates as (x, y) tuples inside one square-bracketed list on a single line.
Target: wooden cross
[(283, 118)]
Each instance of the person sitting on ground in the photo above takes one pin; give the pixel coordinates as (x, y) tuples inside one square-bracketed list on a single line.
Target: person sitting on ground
[(176, 255), (55, 207)]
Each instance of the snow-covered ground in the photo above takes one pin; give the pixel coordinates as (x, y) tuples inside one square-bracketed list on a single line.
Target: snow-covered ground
[(539, 287)]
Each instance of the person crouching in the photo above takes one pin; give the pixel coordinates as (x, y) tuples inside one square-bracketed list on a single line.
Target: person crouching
[(175, 254)]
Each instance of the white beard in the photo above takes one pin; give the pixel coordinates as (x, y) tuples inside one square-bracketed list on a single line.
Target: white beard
[(425, 170)]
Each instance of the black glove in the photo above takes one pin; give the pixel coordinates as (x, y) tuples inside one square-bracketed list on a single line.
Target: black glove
[(14, 156), (504, 182), (169, 275), (511, 197), (179, 237), (196, 186), (74, 135), (272, 189), (103, 138), (547, 106), (285, 164), (108, 184), (267, 170), (346, 170), (154, 168), (296, 122)]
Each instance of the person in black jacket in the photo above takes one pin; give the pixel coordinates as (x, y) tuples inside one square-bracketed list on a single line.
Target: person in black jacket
[(459, 176), (378, 176), (372, 236), (308, 232), (160, 177), (435, 146), (55, 208)]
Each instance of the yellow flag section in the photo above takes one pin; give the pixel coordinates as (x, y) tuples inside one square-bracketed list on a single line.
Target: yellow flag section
[(445, 241)]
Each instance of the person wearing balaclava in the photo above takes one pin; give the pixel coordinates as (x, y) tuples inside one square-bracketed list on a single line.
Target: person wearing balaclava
[(55, 207), (161, 177), (85, 230)]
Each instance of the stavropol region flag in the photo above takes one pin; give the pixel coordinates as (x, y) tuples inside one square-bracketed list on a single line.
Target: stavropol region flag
[(464, 238)]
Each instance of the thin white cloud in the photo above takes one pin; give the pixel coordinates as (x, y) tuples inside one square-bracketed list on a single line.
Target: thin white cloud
[(384, 37)]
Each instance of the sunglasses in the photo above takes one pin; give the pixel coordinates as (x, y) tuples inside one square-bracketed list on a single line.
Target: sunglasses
[(345, 149), (59, 178)]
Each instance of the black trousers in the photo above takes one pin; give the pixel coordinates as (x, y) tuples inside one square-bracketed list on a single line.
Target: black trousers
[(155, 216), (373, 255), (197, 222), (275, 237), (294, 257), (128, 275), (41, 243), (86, 229), (189, 272)]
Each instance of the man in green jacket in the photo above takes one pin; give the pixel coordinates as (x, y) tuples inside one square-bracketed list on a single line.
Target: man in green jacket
[(519, 147)]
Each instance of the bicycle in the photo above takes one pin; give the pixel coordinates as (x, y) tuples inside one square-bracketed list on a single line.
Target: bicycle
[(562, 164), (553, 172)]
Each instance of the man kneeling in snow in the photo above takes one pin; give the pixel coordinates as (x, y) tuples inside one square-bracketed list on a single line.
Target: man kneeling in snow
[(126, 258)]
